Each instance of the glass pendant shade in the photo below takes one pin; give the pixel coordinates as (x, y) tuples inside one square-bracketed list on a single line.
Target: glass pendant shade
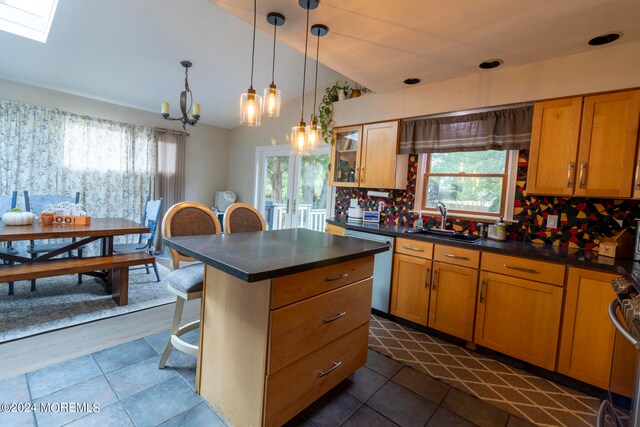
[(250, 108), (299, 143), (313, 135), (271, 105)]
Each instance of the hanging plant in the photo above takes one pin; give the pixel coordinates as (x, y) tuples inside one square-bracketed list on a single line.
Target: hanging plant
[(325, 109)]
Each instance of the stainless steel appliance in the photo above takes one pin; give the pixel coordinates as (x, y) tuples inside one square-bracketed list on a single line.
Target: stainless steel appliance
[(383, 262), (624, 312)]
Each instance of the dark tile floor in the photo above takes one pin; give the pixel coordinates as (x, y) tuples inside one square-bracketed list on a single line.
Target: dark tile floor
[(131, 391)]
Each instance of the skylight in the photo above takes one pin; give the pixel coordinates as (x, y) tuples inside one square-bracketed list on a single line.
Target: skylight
[(27, 18)]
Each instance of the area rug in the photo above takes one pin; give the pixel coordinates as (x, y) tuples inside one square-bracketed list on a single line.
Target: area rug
[(59, 302)]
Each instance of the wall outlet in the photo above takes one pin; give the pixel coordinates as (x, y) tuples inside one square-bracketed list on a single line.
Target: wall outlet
[(552, 221)]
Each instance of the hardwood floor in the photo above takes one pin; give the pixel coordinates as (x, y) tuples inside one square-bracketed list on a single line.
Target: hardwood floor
[(28, 354)]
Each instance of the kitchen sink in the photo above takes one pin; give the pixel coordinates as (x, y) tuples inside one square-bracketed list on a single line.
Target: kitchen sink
[(444, 234)]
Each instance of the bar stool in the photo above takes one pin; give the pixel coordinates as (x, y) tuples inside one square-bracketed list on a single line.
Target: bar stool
[(185, 219), (241, 218)]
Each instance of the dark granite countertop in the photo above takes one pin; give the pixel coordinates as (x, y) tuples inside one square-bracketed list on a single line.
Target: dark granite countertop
[(575, 257), (268, 254)]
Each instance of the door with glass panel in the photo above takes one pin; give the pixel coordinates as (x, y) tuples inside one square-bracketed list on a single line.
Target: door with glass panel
[(293, 191)]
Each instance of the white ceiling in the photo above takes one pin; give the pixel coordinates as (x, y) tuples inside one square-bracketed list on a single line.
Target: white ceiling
[(379, 43), (128, 52)]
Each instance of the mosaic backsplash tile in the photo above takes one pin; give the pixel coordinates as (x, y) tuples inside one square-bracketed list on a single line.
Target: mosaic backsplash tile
[(579, 218)]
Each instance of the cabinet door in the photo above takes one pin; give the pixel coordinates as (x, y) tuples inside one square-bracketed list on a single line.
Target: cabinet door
[(452, 305), (586, 346), (345, 156), (554, 146), (519, 317), (379, 155), (410, 288), (608, 140)]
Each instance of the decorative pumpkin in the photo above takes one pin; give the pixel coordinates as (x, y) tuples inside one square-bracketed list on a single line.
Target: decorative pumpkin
[(17, 217)]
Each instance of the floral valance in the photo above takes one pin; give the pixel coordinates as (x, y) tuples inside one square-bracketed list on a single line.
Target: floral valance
[(506, 129)]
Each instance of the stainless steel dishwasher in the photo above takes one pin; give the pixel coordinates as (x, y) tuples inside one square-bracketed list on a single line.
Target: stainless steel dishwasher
[(383, 263)]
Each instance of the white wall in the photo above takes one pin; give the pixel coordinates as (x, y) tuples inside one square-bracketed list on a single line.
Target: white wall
[(207, 146), (603, 69)]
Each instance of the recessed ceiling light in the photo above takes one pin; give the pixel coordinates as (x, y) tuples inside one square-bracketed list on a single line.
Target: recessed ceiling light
[(603, 39), (412, 81), (490, 63)]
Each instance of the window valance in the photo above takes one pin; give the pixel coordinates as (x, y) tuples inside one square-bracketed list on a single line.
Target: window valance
[(506, 129)]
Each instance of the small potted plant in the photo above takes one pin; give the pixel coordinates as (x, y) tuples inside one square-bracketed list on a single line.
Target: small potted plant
[(325, 109)]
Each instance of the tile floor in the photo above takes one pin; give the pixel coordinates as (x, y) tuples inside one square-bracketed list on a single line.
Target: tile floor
[(517, 392), (131, 391)]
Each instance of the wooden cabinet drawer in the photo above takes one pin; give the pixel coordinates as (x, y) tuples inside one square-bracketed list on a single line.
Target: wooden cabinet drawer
[(291, 390), (414, 247), (457, 256), (539, 271), (296, 287), (301, 328)]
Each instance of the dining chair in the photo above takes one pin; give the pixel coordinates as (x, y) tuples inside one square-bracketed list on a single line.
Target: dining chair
[(37, 204), (8, 202), (242, 218), (185, 219), (150, 216)]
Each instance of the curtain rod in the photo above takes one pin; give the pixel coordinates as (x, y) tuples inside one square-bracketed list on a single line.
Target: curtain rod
[(470, 111), (175, 132)]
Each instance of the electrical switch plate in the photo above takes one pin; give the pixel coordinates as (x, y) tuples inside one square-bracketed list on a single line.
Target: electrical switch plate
[(552, 221)]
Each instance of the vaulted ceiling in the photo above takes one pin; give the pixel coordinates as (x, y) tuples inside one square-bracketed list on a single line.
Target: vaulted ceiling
[(128, 52)]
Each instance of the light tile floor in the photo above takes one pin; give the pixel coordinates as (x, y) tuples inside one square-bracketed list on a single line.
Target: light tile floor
[(538, 400)]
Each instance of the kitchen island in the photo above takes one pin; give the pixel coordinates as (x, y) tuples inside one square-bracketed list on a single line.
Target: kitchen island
[(285, 318)]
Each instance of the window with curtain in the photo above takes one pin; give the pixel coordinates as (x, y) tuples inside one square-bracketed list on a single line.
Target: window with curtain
[(468, 162), (47, 151)]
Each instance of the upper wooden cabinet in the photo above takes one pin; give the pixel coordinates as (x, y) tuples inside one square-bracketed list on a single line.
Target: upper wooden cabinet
[(586, 146), (366, 156), (554, 145)]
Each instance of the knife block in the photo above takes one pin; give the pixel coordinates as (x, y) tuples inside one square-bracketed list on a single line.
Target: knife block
[(621, 245)]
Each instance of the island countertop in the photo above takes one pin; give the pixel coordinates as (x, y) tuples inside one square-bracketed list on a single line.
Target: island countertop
[(257, 256)]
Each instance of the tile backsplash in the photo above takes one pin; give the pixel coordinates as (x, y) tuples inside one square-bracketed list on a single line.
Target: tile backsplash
[(578, 218)]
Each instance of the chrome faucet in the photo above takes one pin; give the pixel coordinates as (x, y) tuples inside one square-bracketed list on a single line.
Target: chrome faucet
[(442, 208)]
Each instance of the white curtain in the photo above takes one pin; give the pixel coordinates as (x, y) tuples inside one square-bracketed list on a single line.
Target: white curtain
[(47, 151)]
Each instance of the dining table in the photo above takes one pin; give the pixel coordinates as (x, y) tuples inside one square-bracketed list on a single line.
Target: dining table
[(99, 229)]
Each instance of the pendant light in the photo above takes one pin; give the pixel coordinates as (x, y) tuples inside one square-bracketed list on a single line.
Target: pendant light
[(250, 102), (313, 130), (271, 105), (299, 139)]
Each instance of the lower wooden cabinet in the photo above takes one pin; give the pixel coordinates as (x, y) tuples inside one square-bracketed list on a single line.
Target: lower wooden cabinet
[(452, 305), (519, 317), (586, 346), (334, 229), (410, 288)]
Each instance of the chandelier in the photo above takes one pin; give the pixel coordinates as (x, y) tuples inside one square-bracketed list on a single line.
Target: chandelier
[(185, 97)]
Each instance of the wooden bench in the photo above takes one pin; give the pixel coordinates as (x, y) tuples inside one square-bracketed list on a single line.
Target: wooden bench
[(117, 264)]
